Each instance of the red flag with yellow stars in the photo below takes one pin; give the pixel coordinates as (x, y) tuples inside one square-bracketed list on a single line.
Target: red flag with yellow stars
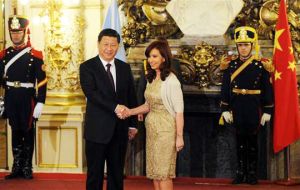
[(286, 115)]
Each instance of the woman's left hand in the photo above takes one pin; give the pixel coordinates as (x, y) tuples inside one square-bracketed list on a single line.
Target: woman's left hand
[(179, 143)]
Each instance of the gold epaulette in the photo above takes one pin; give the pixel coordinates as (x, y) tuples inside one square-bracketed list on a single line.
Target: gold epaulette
[(225, 60), (268, 65), (36, 53)]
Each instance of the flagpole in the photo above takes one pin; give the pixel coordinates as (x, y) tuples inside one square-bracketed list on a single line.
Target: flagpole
[(288, 165), (289, 181)]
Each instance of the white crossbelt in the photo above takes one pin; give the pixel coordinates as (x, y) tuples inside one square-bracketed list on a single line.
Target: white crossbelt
[(18, 84), (20, 54)]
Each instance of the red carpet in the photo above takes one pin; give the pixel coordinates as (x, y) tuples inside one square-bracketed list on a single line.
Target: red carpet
[(43, 181)]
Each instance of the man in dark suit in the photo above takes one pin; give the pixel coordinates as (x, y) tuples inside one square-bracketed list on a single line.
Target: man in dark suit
[(108, 84)]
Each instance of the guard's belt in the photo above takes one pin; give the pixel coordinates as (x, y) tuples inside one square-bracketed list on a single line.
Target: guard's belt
[(245, 91), (18, 84)]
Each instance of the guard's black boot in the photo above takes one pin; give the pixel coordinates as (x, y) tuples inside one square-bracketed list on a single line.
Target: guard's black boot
[(16, 171), (27, 169), (240, 176), (252, 179), (252, 165)]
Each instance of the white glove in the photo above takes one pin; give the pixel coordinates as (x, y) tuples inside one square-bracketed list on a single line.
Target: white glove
[(1, 106), (38, 110), (265, 118), (1, 110), (227, 116)]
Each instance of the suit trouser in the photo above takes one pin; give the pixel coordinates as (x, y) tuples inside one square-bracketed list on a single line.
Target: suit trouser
[(114, 154)]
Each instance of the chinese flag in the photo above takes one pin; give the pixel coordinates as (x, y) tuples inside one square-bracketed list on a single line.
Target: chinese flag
[(286, 116)]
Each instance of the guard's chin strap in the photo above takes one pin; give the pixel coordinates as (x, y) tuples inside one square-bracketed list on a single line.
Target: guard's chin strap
[(19, 46), (28, 37), (245, 58)]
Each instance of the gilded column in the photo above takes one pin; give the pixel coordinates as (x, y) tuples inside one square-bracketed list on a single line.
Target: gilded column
[(60, 129), (63, 54)]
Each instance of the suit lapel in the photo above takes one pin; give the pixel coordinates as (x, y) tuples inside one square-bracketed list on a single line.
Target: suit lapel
[(102, 73), (118, 75)]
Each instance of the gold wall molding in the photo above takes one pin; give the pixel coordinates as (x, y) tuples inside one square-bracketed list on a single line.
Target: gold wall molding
[(59, 139), (63, 152), (2, 25), (59, 144)]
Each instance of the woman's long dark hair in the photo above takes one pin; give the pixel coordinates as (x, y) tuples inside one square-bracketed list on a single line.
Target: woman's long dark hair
[(165, 68)]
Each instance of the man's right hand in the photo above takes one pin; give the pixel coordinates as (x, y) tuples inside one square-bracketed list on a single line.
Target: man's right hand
[(227, 116), (122, 111)]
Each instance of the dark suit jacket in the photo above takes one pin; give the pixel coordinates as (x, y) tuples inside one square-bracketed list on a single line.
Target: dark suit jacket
[(100, 118)]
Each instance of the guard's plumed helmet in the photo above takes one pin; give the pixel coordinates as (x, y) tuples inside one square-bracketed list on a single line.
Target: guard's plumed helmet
[(17, 23), (245, 34)]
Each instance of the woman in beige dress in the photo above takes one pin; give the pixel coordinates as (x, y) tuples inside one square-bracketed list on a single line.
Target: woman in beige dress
[(164, 121)]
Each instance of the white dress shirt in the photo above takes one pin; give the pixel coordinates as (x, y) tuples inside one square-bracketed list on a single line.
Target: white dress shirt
[(112, 69)]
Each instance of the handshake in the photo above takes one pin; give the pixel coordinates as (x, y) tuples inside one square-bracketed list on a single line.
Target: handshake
[(122, 111)]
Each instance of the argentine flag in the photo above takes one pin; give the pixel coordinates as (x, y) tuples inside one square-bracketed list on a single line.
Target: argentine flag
[(112, 20)]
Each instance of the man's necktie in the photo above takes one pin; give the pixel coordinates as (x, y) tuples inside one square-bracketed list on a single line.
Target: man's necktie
[(108, 65)]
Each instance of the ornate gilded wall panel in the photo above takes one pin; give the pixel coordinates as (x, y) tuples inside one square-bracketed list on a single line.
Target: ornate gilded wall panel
[(2, 25), (268, 16), (147, 19), (200, 65), (64, 48)]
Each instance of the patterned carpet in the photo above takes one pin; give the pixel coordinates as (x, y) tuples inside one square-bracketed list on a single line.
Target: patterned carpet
[(77, 182)]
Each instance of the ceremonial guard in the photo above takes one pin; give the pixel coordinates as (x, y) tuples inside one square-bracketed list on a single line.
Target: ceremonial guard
[(246, 100), (24, 79)]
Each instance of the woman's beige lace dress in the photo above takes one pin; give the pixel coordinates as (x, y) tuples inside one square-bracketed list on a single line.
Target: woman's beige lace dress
[(160, 136)]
